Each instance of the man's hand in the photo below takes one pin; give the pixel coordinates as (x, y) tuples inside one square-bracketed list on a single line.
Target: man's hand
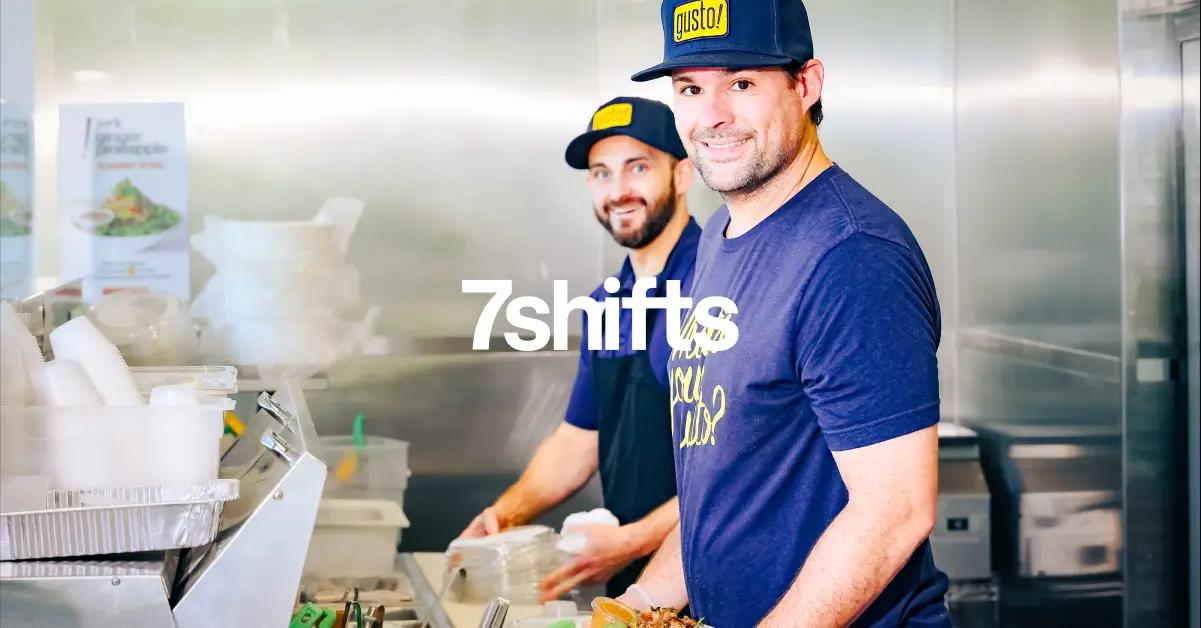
[(484, 524), (607, 551)]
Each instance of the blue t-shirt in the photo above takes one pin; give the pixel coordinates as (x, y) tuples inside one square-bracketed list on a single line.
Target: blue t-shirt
[(582, 410), (838, 327)]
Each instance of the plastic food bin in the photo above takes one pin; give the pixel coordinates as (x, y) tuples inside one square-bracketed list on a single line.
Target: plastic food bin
[(355, 537), (376, 469), (76, 448)]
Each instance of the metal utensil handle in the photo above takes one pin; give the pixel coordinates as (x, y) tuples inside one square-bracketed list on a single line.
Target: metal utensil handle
[(429, 613), (268, 404), (496, 613)]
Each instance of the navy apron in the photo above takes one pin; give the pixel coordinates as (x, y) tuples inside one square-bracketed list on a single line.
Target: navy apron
[(637, 467)]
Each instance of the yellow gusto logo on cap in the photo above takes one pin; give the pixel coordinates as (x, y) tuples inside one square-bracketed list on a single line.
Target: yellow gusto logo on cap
[(617, 114), (700, 18)]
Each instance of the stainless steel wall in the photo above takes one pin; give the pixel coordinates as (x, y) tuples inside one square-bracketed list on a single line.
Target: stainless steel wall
[(1157, 182), (1038, 222), (1039, 285), (1191, 122), (1070, 252), (449, 118)]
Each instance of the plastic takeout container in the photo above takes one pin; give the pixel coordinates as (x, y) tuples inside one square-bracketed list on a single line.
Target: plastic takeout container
[(209, 380), (509, 564), (80, 340), (63, 382), (355, 537), (377, 469), (147, 327), (557, 613), (111, 446)]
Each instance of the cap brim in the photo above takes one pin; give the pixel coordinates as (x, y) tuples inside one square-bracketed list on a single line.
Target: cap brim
[(717, 59), (578, 149)]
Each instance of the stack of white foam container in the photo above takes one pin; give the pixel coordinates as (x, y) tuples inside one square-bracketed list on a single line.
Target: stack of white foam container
[(283, 293)]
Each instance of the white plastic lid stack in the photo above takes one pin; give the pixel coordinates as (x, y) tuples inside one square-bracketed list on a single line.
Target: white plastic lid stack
[(279, 291), (13, 326), (283, 298), (65, 383), (14, 381), (23, 360), (343, 213), (79, 340), (324, 239)]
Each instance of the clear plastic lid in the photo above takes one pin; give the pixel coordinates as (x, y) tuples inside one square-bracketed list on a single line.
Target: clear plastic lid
[(210, 380)]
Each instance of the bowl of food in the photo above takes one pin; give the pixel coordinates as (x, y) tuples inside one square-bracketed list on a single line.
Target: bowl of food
[(607, 611), (128, 221), (610, 613), (15, 218), (92, 219)]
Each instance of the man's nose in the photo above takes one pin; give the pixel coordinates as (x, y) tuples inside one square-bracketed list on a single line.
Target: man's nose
[(625, 189), (714, 111)]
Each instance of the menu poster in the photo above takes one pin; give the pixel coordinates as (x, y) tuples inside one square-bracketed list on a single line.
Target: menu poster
[(122, 197), (16, 194)]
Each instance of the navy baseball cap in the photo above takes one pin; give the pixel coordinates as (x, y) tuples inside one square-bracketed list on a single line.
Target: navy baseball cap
[(648, 121), (732, 34)]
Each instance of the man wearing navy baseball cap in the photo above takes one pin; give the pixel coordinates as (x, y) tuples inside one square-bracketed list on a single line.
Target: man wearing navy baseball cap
[(618, 419), (806, 454)]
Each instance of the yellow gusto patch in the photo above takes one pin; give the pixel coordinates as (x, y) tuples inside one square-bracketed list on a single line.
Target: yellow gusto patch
[(618, 114), (700, 18)]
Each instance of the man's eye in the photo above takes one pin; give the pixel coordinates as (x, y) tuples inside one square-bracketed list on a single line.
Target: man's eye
[(639, 168), (690, 90), (600, 174), (741, 85)]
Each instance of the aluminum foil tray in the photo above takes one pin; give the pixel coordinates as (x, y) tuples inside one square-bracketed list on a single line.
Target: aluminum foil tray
[(79, 569), (116, 521), (215, 491)]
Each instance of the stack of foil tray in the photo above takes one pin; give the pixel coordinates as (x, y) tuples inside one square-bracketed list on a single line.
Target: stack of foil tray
[(96, 522)]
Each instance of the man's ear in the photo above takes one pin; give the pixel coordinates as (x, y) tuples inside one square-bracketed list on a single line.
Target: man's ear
[(810, 80), (684, 172)]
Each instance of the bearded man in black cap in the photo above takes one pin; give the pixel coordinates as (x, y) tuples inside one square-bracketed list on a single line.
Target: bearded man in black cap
[(618, 418)]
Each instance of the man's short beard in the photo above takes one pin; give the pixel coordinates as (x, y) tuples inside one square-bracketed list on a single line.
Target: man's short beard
[(754, 173), (658, 215)]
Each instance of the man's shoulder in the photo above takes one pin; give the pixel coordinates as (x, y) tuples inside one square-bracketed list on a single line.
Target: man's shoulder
[(863, 213)]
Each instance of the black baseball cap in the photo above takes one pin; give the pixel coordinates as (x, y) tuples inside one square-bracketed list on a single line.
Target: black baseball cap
[(648, 121), (732, 34)]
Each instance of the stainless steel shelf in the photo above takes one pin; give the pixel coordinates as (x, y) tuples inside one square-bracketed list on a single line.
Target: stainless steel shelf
[(1064, 359)]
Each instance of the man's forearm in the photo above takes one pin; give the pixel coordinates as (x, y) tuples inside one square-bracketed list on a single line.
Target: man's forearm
[(652, 529), (560, 467), (663, 578), (523, 502), (857, 556)]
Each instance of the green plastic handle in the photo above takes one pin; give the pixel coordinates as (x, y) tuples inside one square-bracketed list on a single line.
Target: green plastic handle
[(357, 431)]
